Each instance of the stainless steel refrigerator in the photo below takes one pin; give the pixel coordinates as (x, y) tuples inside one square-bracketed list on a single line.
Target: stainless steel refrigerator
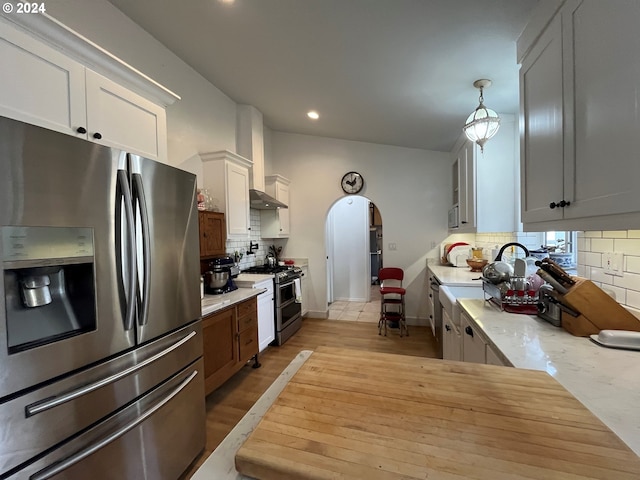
[(101, 372)]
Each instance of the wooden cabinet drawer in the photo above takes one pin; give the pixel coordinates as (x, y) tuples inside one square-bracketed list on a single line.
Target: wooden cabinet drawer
[(248, 321), (248, 341), (247, 308)]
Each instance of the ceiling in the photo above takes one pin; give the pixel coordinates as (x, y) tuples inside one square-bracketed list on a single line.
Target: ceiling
[(395, 72)]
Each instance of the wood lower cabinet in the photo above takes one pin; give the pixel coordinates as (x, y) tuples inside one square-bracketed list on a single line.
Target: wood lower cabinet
[(230, 340), (213, 235)]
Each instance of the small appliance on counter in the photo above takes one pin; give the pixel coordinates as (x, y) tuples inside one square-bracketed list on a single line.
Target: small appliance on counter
[(219, 278)]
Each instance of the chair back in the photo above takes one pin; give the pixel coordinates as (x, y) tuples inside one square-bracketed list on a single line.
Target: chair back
[(391, 273)]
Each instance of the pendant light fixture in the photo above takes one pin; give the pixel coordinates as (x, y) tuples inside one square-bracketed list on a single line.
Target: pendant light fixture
[(483, 123)]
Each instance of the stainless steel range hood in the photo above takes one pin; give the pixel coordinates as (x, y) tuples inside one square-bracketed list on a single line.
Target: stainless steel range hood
[(263, 201)]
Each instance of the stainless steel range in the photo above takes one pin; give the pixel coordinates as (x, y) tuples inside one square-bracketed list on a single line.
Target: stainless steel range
[(287, 307)]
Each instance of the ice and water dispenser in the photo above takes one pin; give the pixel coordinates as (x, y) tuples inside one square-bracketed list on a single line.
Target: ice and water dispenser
[(49, 284)]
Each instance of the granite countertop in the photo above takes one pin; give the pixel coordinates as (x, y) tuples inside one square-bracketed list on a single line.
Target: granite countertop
[(213, 303), (462, 276), (605, 380)]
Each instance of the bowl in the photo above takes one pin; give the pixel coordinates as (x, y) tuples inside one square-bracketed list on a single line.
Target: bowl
[(476, 264), (562, 259)]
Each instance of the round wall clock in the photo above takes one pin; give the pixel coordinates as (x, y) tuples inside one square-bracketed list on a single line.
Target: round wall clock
[(352, 182)]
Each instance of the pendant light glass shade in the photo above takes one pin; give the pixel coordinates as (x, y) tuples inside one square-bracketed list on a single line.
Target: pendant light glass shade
[(483, 123)]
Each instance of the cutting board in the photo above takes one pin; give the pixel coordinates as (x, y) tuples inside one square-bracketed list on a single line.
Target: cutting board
[(357, 415)]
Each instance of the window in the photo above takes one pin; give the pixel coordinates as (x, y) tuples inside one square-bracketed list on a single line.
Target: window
[(562, 242)]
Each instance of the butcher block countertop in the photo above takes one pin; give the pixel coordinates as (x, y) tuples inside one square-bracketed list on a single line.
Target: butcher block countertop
[(360, 415)]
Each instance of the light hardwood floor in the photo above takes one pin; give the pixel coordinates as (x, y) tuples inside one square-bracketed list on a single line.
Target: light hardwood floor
[(229, 403)]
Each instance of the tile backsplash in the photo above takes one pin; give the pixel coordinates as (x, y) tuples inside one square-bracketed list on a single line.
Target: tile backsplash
[(242, 246), (591, 248)]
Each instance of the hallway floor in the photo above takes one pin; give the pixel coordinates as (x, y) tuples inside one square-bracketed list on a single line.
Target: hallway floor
[(368, 312)]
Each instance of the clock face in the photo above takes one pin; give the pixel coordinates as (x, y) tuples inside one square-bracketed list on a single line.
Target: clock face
[(352, 182)]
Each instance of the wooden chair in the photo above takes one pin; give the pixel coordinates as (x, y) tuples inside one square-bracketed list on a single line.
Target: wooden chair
[(392, 299)]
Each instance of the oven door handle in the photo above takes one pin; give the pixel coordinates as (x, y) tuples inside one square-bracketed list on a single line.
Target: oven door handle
[(287, 303), (58, 467)]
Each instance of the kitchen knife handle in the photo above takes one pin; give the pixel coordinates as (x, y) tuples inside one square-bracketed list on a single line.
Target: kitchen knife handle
[(551, 281)]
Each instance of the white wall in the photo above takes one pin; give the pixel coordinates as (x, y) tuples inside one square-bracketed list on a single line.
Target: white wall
[(349, 219), (410, 187), (203, 121)]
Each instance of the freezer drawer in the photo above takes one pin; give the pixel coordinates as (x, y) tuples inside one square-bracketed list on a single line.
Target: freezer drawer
[(45, 417), (155, 438)]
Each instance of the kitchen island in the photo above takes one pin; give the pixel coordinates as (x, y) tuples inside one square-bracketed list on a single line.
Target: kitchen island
[(477, 435), (354, 414)]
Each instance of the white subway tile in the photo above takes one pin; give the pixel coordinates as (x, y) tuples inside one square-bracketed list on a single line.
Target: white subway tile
[(628, 246), (614, 234), (593, 259), (595, 234), (601, 245), (630, 281), (633, 233), (598, 275), (632, 264), (633, 299), (617, 293)]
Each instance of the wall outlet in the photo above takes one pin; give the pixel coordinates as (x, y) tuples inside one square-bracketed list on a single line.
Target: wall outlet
[(613, 263), (392, 246)]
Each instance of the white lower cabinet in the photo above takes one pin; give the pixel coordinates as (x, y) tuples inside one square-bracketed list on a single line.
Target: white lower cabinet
[(266, 320), (451, 339), (492, 357), (473, 346)]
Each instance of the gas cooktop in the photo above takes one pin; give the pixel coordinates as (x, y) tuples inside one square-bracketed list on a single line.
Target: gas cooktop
[(281, 272)]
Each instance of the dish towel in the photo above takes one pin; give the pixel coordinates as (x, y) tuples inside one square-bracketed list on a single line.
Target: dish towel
[(297, 290)]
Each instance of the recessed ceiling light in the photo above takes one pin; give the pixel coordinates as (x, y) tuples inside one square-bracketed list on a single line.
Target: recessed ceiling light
[(313, 115), (228, 2)]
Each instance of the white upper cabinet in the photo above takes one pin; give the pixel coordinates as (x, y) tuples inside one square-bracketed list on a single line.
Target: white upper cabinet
[(226, 176), (39, 85), (45, 87), (119, 118), (578, 85), (275, 223), (485, 183)]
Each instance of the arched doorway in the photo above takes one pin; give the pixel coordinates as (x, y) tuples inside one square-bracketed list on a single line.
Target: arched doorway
[(354, 249)]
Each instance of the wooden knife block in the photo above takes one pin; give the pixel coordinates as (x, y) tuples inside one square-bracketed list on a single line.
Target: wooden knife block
[(598, 311)]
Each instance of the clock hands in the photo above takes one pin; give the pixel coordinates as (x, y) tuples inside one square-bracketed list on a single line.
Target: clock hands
[(351, 183)]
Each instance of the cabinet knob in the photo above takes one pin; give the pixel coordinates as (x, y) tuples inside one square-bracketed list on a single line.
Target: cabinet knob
[(81, 130), (468, 331), (463, 221), (97, 135), (447, 328), (560, 204)]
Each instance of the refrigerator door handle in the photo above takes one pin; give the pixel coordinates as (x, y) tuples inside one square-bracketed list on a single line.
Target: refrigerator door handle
[(140, 199), (41, 406), (56, 468), (123, 183)]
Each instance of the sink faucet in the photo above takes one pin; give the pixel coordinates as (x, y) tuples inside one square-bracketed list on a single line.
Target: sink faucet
[(252, 247)]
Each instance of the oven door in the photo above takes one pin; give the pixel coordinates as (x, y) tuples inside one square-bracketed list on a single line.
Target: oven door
[(287, 309)]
